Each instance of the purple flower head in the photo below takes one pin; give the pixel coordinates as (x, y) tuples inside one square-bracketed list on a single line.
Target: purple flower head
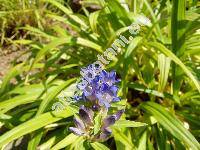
[(98, 90), (107, 122), (84, 124), (110, 120), (98, 86), (84, 121)]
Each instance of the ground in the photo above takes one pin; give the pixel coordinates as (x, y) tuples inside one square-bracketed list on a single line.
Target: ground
[(7, 56)]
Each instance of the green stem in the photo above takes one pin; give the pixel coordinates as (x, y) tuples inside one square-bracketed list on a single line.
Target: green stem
[(178, 39)]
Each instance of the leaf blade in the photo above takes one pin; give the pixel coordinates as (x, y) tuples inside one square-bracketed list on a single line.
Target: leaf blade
[(170, 123)]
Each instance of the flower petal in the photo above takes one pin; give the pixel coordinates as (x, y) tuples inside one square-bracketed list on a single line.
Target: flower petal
[(79, 124), (108, 121), (107, 131), (114, 89), (76, 131), (119, 114), (82, 84), (86, 115), (116, 99), (105, 134)]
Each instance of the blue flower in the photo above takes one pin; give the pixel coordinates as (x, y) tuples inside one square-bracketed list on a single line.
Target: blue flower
[(107, 94), (100, 88), (109, 77), (89, 73)]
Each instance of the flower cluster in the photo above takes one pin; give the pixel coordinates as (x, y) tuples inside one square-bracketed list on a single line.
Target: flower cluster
[(97, 90), (98, 87), (84, 124)]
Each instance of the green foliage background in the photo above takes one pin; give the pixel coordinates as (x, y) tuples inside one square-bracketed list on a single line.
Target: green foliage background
[(159, 69)]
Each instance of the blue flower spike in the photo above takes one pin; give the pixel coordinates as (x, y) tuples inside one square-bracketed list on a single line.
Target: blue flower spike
[(97, 90)]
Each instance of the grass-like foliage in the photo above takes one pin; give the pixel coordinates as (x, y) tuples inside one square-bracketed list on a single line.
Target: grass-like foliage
[(159, 71)]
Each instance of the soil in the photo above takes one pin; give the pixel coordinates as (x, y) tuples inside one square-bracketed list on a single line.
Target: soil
[(7, 56)]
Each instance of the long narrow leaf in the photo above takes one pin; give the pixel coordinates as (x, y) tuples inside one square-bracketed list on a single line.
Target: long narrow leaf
[(34, 124), (171, 124), (171, 55)]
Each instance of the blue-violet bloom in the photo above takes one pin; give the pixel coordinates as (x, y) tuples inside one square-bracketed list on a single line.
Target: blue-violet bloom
[(98, 87)]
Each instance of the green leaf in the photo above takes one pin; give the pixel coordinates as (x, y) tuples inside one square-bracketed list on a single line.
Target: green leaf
[(34, 124), (69, 139), (68, 12), (178, 27), (87, 43), (35, 139), (171, 124), (115, 7), (52, 139), (164, 66), (173, 57), (53, 94), (35, 31), (122, 138), (60, 6), (134, 43), (140, 87), (6, 105), (77, 144), (51, 45), (142, 141), (154, 20), (93, 18), (99, 146), (128, 123), (97, 122), (38, 134)]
